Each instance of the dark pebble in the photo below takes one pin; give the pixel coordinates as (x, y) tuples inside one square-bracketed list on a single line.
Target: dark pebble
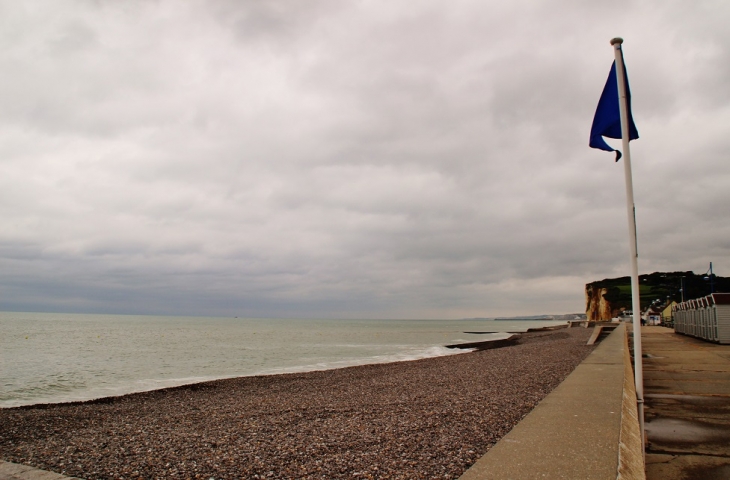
[(421, 419)]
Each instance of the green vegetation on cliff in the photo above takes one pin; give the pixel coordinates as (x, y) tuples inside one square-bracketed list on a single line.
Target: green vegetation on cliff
[(661, 286)]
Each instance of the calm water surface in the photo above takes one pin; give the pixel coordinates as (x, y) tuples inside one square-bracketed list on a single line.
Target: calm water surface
[(47, 357)]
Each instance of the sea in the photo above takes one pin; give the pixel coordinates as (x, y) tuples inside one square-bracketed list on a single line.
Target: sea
[(55, 357)]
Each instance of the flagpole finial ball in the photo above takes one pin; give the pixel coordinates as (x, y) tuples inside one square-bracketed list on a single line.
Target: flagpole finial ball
[(616, 40)]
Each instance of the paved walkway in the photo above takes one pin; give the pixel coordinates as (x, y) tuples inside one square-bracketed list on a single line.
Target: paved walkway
[(14, 471), (687, 393)]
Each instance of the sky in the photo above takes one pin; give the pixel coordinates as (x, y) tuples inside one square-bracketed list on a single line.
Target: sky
[(352, 159)]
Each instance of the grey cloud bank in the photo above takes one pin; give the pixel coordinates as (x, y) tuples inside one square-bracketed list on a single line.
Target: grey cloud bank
[(342, 159)]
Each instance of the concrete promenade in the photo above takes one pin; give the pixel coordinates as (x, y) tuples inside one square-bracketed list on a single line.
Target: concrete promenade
[(687, 393), (13, 471), (587, 428)]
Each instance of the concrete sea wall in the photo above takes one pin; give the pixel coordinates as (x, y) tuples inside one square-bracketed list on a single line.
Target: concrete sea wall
[(586, 428)]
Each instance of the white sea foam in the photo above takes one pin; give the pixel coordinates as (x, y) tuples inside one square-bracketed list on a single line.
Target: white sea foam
[(54, 395), (429, 352)]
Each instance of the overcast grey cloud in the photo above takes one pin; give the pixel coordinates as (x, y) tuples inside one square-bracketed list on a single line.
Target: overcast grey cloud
[(351, 159)]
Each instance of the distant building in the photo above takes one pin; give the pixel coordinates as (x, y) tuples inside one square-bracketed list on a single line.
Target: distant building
[(652, 315), (667, 318)]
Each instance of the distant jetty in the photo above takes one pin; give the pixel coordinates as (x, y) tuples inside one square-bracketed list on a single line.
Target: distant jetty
[(547, 318)]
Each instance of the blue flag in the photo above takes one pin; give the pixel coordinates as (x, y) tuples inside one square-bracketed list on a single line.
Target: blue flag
[(607, 121)]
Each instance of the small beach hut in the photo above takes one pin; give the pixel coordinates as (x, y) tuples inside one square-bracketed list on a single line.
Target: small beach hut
[(668, 313), (707, 318)]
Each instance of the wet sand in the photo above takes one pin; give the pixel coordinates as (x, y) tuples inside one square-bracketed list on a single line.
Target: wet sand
[(430, 418)]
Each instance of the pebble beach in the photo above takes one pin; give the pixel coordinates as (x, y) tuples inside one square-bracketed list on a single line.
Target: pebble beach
[(430, 418)]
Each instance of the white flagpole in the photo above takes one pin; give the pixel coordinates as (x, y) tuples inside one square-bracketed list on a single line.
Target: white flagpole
[(631, 210)]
